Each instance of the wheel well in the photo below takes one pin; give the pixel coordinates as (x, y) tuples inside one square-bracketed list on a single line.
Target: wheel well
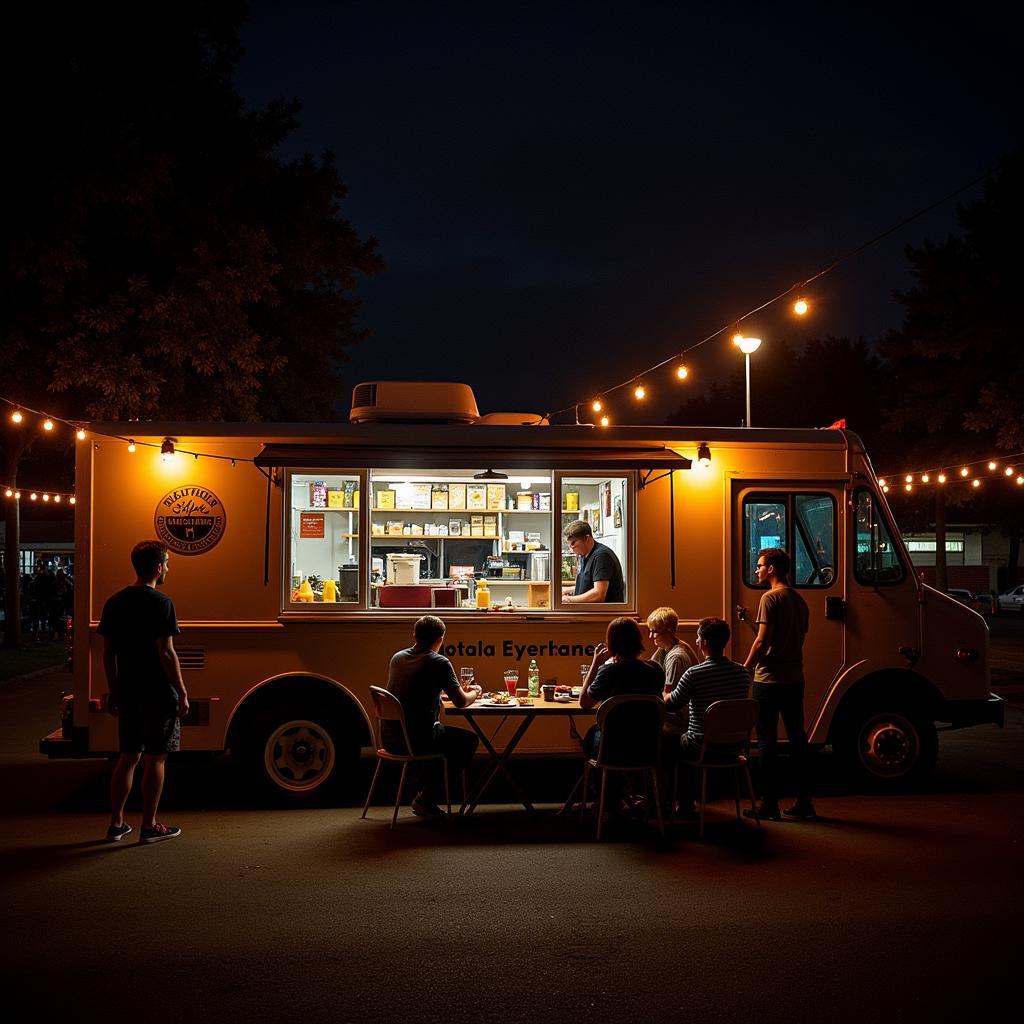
[(897, 688), (298, 690)]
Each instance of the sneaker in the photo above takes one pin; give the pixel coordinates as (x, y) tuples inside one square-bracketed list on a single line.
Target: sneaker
[(158, 833), (117, 832), (801, 811), (766, 812), (424, 807)]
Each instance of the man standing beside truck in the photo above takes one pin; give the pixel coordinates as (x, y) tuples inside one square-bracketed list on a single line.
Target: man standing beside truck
[(777, 661), (146, 691)]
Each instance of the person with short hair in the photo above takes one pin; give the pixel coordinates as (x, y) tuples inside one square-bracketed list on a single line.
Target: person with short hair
[(146, 692), (417, 676), (617, 668), (671, 652), (776, 658), (716, 677), (600, 576)]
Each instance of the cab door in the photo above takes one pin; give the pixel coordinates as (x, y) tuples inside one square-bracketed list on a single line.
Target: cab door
[(805, 521)]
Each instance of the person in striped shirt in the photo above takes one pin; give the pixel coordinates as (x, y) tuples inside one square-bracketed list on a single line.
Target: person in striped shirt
[(715, 678)]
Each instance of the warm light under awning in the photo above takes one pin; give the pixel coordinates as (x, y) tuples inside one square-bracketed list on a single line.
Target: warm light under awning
[(568, 457)]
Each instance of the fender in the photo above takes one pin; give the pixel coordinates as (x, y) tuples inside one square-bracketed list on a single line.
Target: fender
[(283, 677), (844, 683)]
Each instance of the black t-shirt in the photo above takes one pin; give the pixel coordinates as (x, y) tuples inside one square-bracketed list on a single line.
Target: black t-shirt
[(602, 564), (134, 619), (627, 676), (416, 677)]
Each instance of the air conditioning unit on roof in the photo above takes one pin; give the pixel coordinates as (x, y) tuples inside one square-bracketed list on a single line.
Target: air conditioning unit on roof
[(407, 401)]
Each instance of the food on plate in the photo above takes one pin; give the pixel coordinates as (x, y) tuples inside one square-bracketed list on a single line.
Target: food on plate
[(564, 698), (563, 688), (500, 698), (524, 702)]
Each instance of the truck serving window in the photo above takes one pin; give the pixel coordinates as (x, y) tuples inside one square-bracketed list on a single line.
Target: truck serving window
[(461, 538), (324, 540), (804, 525), (877, 561), (603, 503)]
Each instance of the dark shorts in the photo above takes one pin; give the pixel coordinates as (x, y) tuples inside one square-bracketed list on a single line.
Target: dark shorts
[(148, 729)]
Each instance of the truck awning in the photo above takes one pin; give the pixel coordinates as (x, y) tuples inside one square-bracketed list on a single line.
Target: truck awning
[(567, 457)]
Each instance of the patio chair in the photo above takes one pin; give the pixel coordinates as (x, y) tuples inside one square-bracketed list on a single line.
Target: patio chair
[(388, 708), (727, 728), (630, 727)]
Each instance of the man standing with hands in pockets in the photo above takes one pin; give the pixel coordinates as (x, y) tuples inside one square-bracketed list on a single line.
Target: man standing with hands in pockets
[(147, 694), (777, 662)]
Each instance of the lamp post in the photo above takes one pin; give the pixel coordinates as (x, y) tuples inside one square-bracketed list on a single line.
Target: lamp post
[(746, 346)]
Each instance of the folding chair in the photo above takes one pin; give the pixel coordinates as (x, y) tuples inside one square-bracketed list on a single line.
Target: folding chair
[(388, 708)]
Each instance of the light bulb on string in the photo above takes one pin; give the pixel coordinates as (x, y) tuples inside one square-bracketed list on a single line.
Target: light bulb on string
[(908, 487), (17, 495), (597, 405), (16, 416), (56, 498), (71, 500), (941, 478), (682, 372), (801, 306), (881, 483), (909, 478), (1009, 471), (1020, 480), (704, 454), (925, 478), (46, 497), (167, 450), (885, 489), (605, 421), (47, 424), (8, 493), (964, 471), (993, 465), (640, 392), (33, 496), (131, 447), (975, 482), (80, 434)]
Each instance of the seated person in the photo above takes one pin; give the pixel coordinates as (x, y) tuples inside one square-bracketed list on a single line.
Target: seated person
[(674, 655), (715, 678), (417, 676), (616, 669)]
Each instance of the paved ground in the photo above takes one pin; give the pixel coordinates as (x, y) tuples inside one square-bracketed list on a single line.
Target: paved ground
[(896, 908)]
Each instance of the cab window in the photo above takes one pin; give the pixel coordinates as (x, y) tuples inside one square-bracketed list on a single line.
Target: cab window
[(877, 561), (803, 525)]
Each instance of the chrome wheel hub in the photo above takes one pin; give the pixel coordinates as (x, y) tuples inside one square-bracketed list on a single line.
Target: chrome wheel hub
[(299, 755)]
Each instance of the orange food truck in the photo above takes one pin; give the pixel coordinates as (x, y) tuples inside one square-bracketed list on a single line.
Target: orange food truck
[(302, 554)]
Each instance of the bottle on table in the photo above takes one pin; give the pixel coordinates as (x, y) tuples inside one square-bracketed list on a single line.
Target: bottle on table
[(483, 594), (533, 678)]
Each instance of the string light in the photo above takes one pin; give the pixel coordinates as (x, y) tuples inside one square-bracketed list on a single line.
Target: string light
[(16, 416), (1009, 471), (71, 500), (881, 483), (167, 450), (704, 454), (8, 493), (605, 421), (908, 487), (46, 497), (965, 471), (1020, 480), (975, 482), (80, 434), (941, 478), (682, 372), (56, 498), (640, 392), (800, 307), (993, 465), (131, 447), (596, 405), (885, 489), (47, 424), (925, 478), (909, 478), (32, 496)]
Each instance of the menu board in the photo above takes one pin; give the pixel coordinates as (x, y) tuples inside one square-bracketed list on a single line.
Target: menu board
[(311, 524)]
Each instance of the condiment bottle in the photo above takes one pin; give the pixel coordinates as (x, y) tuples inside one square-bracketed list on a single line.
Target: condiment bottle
[(533, 678), (483, 595)]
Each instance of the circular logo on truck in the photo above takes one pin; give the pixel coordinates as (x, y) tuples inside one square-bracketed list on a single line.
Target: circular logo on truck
[(190, 520)]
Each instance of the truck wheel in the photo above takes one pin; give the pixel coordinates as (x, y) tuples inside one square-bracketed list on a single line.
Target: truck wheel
[(300, 753), (888, 747)]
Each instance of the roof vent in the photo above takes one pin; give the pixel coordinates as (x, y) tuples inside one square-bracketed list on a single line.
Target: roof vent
[(404, 401)]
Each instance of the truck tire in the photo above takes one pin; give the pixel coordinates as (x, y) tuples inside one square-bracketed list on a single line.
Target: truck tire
[(300, 753), (887, 747)]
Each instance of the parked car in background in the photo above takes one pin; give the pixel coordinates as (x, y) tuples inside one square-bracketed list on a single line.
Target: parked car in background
[(961, 595), (985, 603), (1012, 600)]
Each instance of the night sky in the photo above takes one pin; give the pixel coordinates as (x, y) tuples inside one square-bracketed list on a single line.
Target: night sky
[(565, 194)]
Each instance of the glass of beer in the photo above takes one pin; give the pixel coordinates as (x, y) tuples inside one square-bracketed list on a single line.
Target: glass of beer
[(467, 675)]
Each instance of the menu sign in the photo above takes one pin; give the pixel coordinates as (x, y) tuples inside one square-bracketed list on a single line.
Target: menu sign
[(311, 525)]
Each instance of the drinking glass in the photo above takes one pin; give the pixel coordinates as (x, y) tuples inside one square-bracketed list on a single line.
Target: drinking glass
[(467, 675), (511, 680), (584, 669)]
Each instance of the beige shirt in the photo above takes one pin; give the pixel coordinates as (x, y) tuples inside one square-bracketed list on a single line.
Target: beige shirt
[(786, 614), (675, 661)]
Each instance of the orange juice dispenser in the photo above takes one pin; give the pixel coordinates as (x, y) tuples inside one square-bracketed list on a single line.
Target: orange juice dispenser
[(483, 594)]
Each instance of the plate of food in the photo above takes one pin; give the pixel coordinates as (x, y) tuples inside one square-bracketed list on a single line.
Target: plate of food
[(564, 698), (499, 699)]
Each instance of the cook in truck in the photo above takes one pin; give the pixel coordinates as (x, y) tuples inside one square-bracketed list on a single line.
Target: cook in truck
[(599, 577)]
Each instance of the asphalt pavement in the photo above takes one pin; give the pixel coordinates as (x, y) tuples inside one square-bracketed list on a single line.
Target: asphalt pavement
[(898, 908)]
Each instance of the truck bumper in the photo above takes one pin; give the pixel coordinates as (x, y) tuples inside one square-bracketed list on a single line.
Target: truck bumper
[(963, 713), (65, 742)]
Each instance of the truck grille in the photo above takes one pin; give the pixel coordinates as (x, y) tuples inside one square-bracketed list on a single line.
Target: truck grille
[(192, 659)]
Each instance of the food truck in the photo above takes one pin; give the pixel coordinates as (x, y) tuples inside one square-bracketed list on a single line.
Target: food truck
[(302, 554)]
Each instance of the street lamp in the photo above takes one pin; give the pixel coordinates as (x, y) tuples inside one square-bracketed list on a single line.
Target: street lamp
[(746, 346)]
